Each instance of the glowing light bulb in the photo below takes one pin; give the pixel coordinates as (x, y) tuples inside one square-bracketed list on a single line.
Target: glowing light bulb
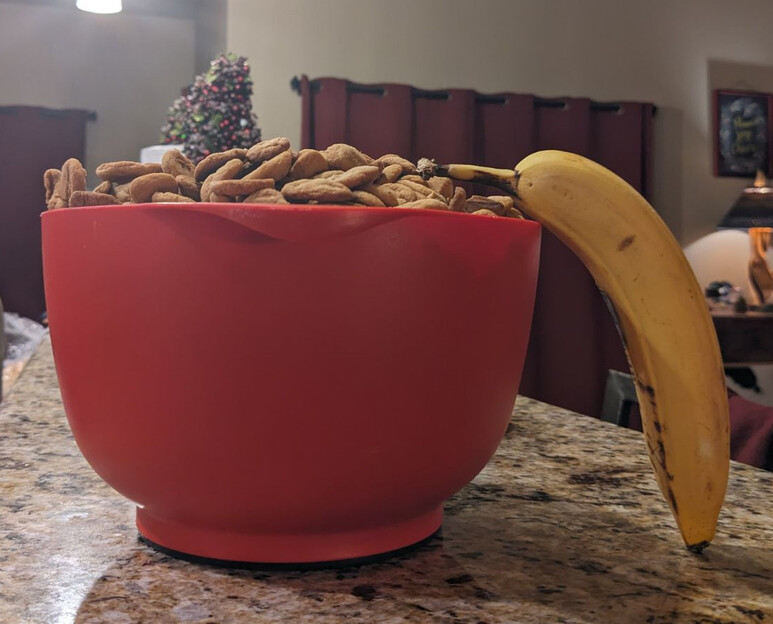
[(99, 6)]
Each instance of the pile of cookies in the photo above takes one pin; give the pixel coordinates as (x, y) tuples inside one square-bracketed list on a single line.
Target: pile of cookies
[(270, 172)]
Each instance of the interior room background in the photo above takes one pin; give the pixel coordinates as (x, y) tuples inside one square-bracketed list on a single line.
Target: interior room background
[(669, 53), (129, 67)]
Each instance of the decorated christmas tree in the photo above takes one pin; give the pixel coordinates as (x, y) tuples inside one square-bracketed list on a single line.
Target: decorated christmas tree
[(216, 113)]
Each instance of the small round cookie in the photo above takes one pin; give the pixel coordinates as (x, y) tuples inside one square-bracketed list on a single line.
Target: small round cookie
[(275, 168), (485, 212), (91, 198), (265, 196), (125, 170), (55, 202), (72, 178), (188, 187), (309, 163), (459, 200), (175, 163), (413, 178), (357, 176), (320, 191), (50, 179), (393, 159), (367, 199), (236, 188), (74, 174), (142, 188), (386, 195), (390, 173), (122, 192), (266, 150), (163, 197), (342, 156), (478, 202), (403, 193), (505, 200), (326, 175), (228, 171), (213, 162), (441, 185), (106, 186), (422, 189)]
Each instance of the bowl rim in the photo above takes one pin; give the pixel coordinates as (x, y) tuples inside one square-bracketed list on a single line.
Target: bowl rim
[(333, 209)]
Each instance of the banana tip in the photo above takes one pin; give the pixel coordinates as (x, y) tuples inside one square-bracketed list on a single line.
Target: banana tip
[(699, 547)]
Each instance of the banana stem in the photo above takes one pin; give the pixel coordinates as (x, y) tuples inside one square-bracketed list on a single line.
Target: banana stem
[(503, 179)]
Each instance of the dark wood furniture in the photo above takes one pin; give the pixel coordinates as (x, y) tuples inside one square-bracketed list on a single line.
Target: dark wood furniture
[(744, 338), (32, 139)]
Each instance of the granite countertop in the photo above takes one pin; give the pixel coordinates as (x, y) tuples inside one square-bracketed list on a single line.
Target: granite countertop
[(565, 524)]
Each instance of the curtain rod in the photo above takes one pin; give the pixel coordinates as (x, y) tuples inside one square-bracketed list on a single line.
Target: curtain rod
[(539, 102)]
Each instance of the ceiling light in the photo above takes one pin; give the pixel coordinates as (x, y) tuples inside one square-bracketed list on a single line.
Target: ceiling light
[(99, 6)]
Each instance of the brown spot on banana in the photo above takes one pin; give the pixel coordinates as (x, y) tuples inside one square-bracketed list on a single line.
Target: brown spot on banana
[(626, 242), (657, 449), (645, 388), (657, 452)]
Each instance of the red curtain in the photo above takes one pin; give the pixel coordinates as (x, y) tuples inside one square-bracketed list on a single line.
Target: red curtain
[(573, 341), (32, 140)]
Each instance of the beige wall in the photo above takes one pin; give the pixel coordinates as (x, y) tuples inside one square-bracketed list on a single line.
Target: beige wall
[(127, 68), (664, 51)]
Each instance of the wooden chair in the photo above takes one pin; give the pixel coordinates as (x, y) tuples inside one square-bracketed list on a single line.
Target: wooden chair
[(619, 398)]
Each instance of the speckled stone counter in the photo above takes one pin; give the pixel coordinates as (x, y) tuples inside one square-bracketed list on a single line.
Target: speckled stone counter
[(564, 525)]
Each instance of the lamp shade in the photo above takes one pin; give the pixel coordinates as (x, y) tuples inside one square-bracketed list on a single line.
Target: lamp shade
[(754, 208)]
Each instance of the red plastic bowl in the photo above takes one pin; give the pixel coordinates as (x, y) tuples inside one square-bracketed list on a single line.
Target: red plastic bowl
[(287, 383)]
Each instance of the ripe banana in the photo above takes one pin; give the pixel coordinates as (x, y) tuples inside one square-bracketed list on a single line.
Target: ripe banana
[(660, 311)]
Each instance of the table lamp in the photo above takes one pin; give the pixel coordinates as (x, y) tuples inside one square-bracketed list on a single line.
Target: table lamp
[(753, 210)]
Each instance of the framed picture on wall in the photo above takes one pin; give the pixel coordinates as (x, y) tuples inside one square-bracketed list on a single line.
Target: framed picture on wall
[(741, 133)]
